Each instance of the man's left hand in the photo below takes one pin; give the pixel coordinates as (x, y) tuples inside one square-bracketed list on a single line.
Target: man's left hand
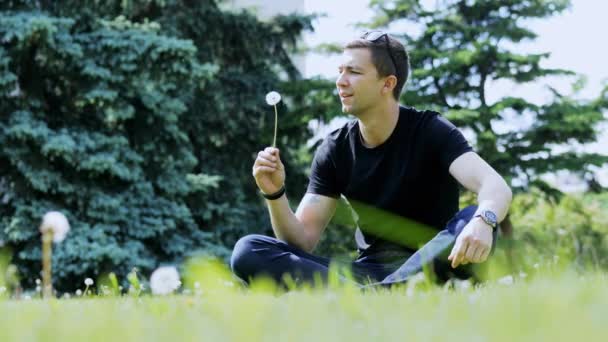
[(473, 244)]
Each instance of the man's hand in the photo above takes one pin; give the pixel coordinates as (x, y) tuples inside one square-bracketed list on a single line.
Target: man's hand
[(268, 170), (473, 244)]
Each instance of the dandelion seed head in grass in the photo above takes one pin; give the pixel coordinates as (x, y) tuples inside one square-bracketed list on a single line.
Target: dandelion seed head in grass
[(164, 280), (88, 282), (506, 280), (57, 223), (273, 98)]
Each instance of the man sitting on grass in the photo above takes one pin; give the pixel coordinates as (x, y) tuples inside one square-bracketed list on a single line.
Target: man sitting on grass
[(400, 160)]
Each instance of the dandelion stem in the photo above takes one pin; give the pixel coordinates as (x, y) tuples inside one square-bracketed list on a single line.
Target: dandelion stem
[(276, 120), (47, 282)]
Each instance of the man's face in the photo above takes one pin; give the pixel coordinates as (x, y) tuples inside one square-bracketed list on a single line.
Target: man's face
[(358, 84)]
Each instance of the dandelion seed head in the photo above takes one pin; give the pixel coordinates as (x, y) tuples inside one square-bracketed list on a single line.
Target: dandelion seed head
[(164, 280), (57, 223), (506, 280), (273, 98), (88, 282)]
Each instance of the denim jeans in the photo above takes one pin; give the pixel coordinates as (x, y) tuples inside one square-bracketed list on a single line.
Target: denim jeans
[(256, 255)]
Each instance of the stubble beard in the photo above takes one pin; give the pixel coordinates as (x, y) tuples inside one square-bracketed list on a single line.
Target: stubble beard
[(346, 109)]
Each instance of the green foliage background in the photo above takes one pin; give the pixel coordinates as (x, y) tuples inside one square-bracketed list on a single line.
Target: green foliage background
[(139, 120)]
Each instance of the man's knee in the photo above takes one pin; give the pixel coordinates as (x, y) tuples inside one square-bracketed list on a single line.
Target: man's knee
[(246, 259)]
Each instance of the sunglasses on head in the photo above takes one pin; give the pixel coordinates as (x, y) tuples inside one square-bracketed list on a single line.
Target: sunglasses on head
[(374, 36)]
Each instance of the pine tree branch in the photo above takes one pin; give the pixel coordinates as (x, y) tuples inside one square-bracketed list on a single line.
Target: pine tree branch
[(440, 92)]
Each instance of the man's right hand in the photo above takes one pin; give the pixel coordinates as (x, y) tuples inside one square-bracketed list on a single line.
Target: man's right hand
[(268, 170)]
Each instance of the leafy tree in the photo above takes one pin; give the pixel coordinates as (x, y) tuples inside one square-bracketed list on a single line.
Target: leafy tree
[(139, 120)]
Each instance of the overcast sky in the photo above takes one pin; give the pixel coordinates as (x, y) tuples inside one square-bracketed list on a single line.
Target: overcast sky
[(574, 39)]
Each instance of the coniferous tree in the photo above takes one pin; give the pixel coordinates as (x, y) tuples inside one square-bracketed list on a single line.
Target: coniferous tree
[(139, 120)]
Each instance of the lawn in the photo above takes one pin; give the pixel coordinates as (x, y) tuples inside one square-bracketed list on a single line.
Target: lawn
[(564, 307)]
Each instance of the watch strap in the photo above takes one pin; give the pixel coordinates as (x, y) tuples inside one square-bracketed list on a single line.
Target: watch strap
[(274, 196), (492, 223)]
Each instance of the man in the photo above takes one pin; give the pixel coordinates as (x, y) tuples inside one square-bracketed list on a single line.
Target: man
[(400, 160)]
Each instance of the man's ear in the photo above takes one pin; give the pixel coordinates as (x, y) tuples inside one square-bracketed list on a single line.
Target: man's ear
[(390, 82)]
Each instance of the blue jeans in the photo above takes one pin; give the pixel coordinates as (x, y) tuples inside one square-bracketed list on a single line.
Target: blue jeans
[(257, 255)]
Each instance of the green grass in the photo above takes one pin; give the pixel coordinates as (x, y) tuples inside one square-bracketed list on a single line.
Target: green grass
[(549, 308)]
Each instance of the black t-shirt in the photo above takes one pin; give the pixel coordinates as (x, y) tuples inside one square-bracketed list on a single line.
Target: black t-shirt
[(406, 175)]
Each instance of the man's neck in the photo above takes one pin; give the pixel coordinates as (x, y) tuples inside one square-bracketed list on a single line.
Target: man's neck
[(377, 125)]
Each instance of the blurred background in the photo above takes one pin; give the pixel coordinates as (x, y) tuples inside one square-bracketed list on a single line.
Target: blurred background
[(140, 120)]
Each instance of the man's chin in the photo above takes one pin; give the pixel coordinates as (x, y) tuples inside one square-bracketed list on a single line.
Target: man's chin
[(346, 109)]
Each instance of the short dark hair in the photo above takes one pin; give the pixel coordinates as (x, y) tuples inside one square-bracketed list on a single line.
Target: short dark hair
[(382, 59)]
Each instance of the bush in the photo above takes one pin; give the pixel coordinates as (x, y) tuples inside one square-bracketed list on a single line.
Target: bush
[(91, 126), (571, 231)]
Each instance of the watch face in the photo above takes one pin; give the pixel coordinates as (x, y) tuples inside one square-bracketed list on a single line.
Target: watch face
[(490, 216)]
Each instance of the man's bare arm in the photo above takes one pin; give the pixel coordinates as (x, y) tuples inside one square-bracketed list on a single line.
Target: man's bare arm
[(475, 241), (476, 175), (302, 229)]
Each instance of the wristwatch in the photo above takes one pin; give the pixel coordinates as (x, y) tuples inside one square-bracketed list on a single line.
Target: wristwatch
[(488, 217)]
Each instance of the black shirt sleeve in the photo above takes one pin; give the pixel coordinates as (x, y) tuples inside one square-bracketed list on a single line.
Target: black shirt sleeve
[(446, 141), (323, 173)]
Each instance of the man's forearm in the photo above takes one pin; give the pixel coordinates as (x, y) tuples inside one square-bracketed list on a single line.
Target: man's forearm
[(495, 195), (285, 224)]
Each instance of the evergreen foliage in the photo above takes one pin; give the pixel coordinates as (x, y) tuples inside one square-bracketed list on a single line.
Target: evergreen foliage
[(139, 120)]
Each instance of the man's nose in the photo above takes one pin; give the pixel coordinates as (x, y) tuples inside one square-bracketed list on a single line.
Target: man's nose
[(341, 81)]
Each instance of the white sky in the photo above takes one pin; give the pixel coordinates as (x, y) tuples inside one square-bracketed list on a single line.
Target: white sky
[(575, 39)]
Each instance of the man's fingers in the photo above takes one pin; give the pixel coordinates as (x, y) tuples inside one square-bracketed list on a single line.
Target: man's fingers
[(470, 252), (267, 156), (458, 253), (485, 254), (272, 150), (478, 257), (265, 162), (271, 154), (279, 164), (453, 252), (260, 169), (457, 260)]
